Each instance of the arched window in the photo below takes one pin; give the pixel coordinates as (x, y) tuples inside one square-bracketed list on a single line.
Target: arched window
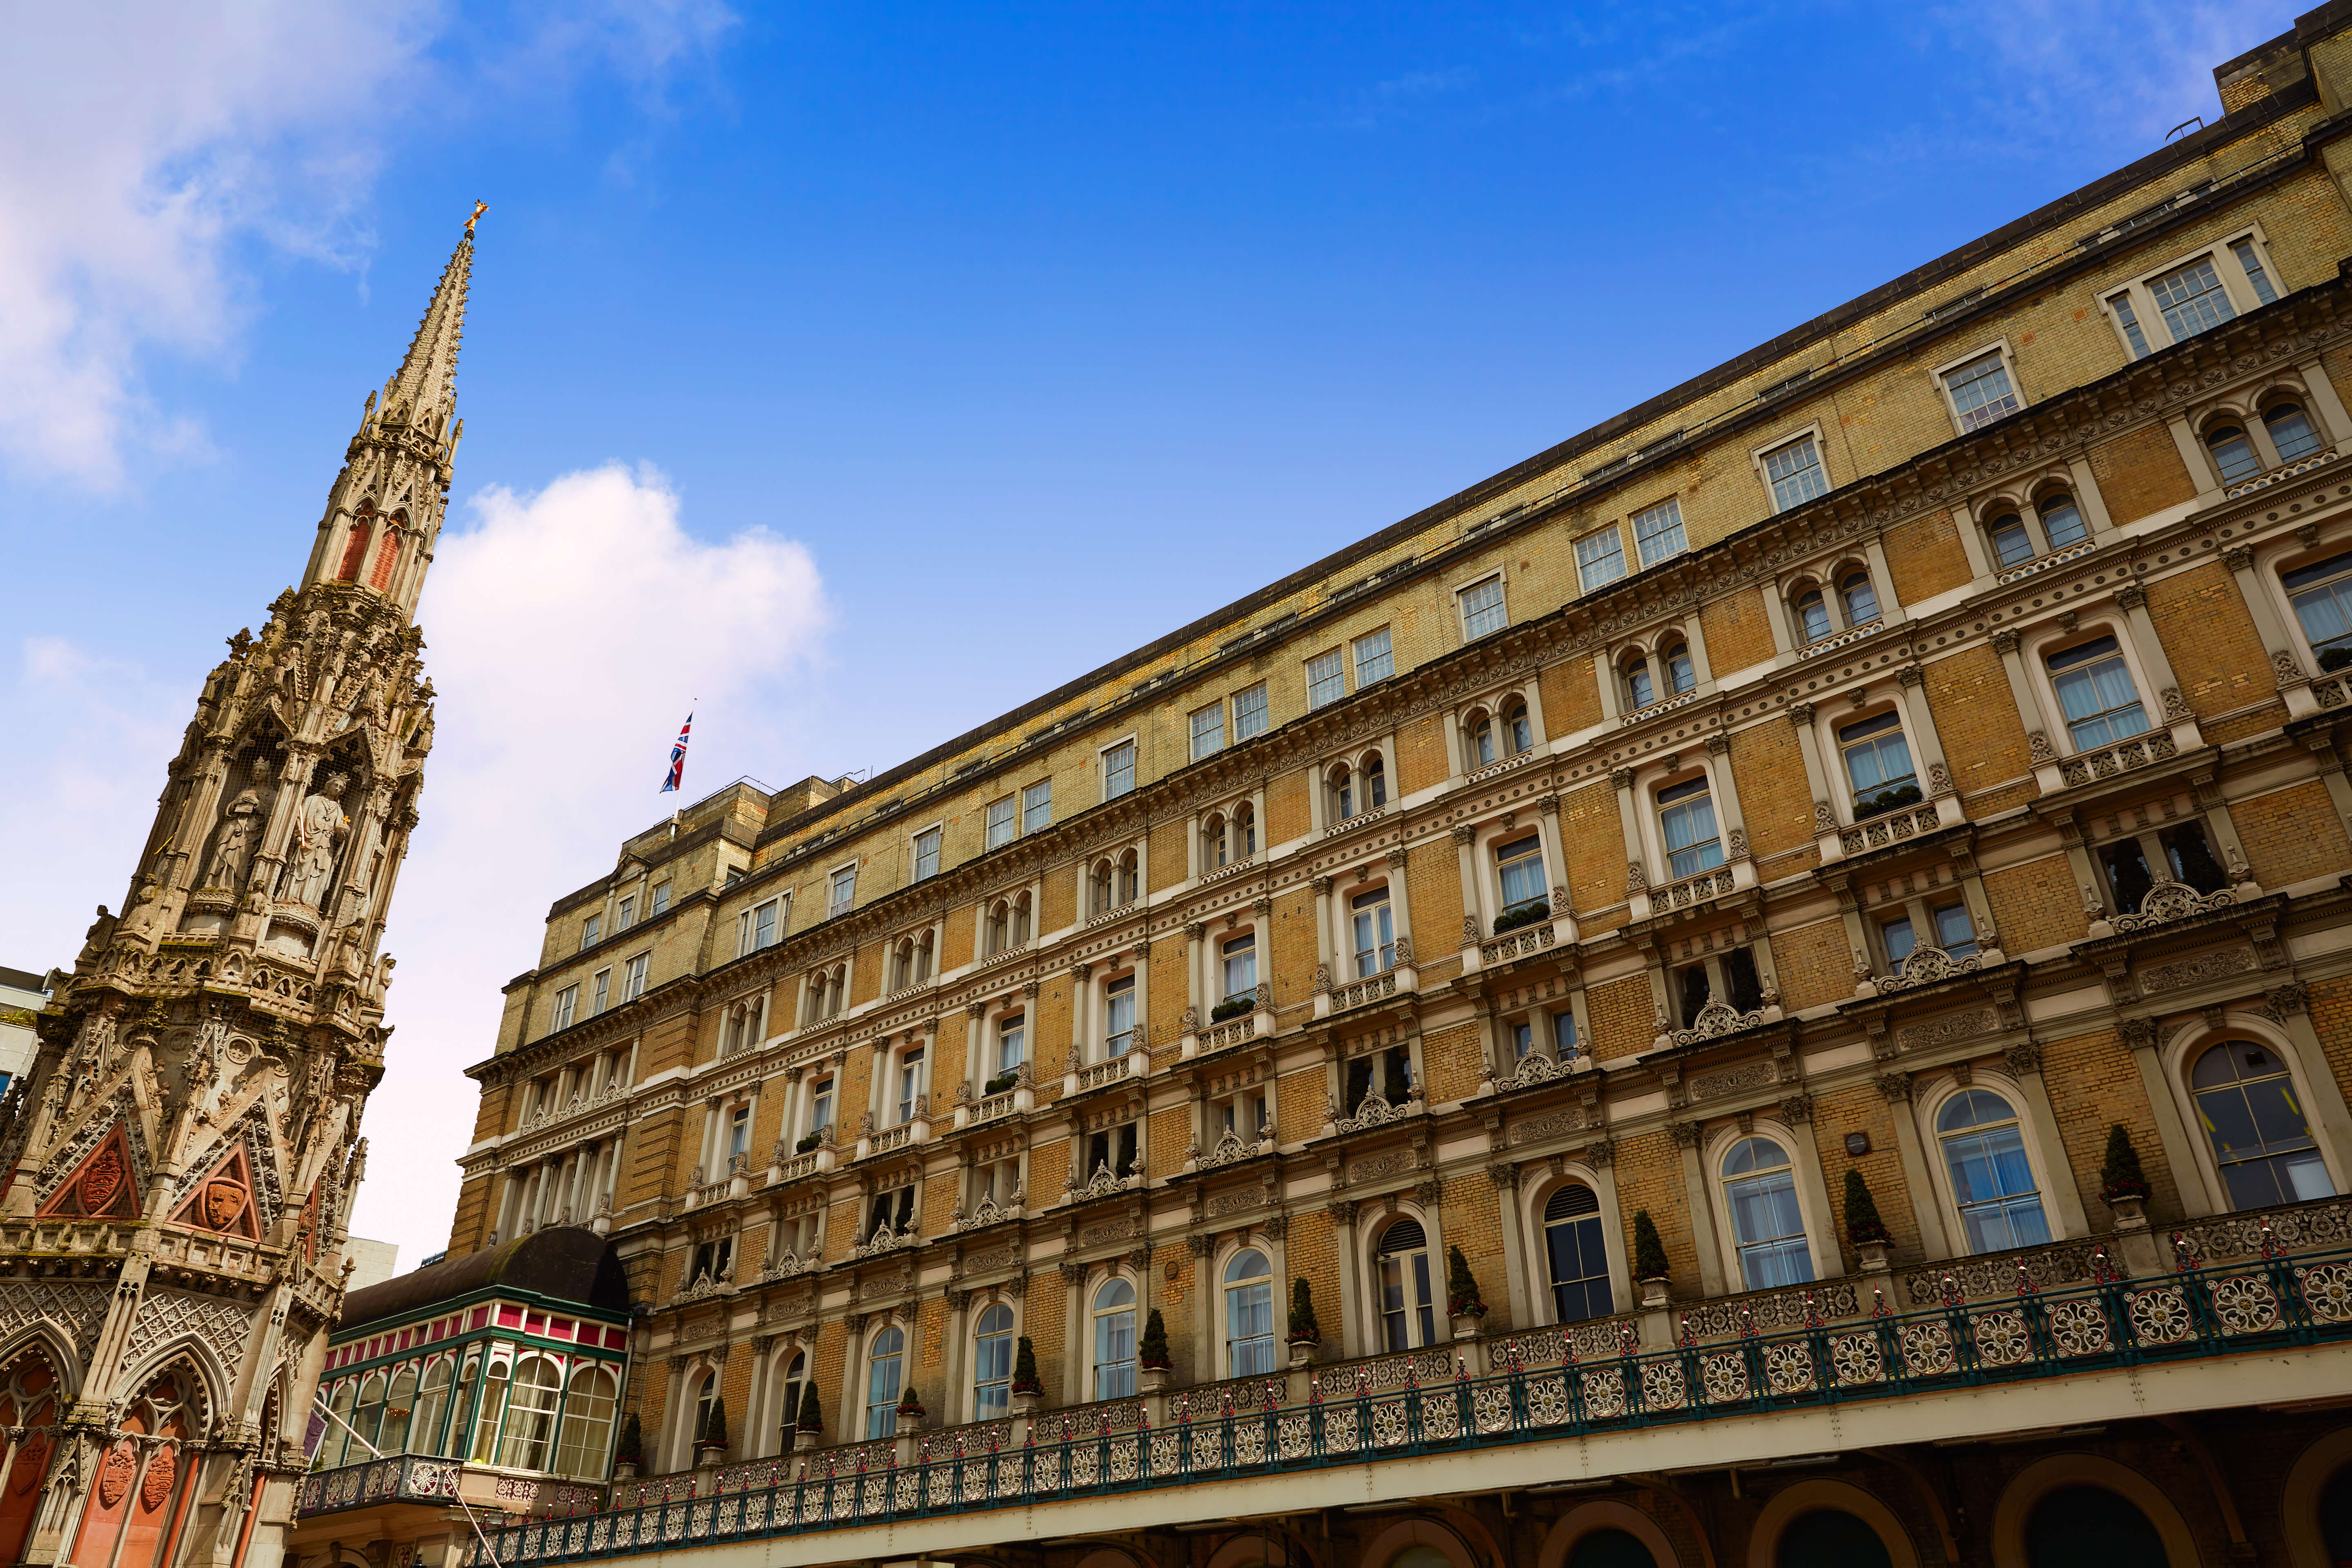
[(1761, 1189), (1114, 1315), (1401, 1273), (1129, 877), (2233, 454), (489, 1410), (1812, 616), (2011, 546), (2290, 431), (1686, 818), (340, 1447), (1518, 733), (1830, 1538), (1339, 794), (587, 1423), (1580, 1262), (1859, 599), (399, 1405), (2261, 1139), (367, 1416), (425, 1436), (1021, 921), (1481, 740), (1639, 691), (883, 1368), (1098, 888), (1215, 850), (1245, 829), (1878, 765), (2322, 595), (2062, 521), (2095, 693), (355, 550), (1681, 675), (992, 1364), (1249, 1314), (792, 1385), (1000, 927), (2080, 1524), (923, 945), (1992, 1180), (531, 1414)]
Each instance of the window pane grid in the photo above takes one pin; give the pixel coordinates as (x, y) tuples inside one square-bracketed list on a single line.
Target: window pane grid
[(2252, 262), (1208, 730), (1482, 609), (2192, 300), (1038, 807), (1000, 822), (1658, 532), (1249, 712), (1795, 471), (1600, 559), (1373, 660), (1982, 392), (1327, 678)]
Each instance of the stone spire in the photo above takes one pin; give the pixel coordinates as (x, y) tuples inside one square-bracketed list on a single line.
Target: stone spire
[(177, 1168)]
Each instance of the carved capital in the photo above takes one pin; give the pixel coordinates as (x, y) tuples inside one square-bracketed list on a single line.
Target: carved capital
[(1277, 1227), (1911, 675), (1685, 1133), (1504, 1177), (1343, 1213), (1197, 1245), (2239, 558), (1074, 1273), (1797, 1108), (2132, 597), (2282, 1000), (1895, 1086), (1600, 1153), (1801, 715), (2139, 1033), (2023, 1058), (1622, 778), (1322, 886), (2005, 641), (1717, 744), (1463, 834)]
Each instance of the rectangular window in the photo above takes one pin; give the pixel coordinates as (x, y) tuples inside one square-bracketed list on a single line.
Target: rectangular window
[(633, 986), (600, 990), (1118, 770), (911, 1082), (2250, 260), (661, 903), (821, 1106), (566, 1000), (842, 893), (628, 915), (1878, 765), (1600, 558), (1372, 658), (1482, 609), (590, 932), (1686, 817), (2095, 691), (1240, 957), (1118, 1016), (927, 854), (1375, 934), (1658, 532), (1249, 712), (1208, 730), (2191, 299), (764, 924), (1519, 866), (739, 1130), (1980, 390), (1563, 1033), (1010, 1035), (1795, 472), (2129, 320), (1955, 932), (1000, 822), (1038, 807), (1899, 939), (1327, 678), (1523, 1038)]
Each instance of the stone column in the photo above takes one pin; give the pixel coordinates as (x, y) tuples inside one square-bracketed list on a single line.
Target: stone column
[(1798, 1108), (1701, 1209), (1726, 791), (2290, 659), (1917, 1182), (1351, 1300), (2170, 710), (1074, 1390), (1921, 720), (1517, 1281), (954, 1401), (1142, 950), (2171, 1134), (1401, 905), (1204, 1309), (1324, 954), (1555, 863), (1474, 901), (1628, 822)]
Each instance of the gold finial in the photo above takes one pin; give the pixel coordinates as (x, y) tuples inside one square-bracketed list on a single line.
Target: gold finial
[(479, 208)]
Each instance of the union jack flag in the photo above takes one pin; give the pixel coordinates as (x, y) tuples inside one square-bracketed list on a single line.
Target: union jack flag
[(677, 757)]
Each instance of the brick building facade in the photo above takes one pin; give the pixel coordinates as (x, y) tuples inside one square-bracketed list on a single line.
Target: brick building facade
[(1896, 770)]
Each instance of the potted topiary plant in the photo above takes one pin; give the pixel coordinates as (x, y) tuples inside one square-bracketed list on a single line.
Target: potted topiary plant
[(1027, 1389), (910, 1411), (999, 1083), (810, 1425), (1649, 1259), (1527, 914), (1305, 1333), (2122, 1184), (630, 1451), (1232, 1007), (1864, 1228), (1463, 1304), (1152, 1359), (710, 1443), (809, 1143)]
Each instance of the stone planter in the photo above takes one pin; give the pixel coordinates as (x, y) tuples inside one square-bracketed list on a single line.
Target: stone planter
[(2131, 1212), (1152, 1379), (709, 1456), (1874, 1256), (802, 1439), (625, 1469), (1466, 1324), (1653, 1293), (910, 1422), (1302, 1354)]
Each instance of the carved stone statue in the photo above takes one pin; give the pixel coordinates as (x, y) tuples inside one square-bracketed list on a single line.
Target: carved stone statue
[(318, 833), (233, 847)]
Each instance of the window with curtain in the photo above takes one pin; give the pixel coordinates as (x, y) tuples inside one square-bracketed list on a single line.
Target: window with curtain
[(399, 1406), (1878, 765), (2062, 521), (2255, 1122), (884, 1368), (1249, 1314), (2322, 595), (1992, 1180), (1812, 616), (1578, 1261), (587, 1431), (2011, 546), (1759, 1187), (425, 1435), (1240, 966), (1118, 1016), (1401, 1270), (1859, 599), (1687, 819), (2290, 431), (1114, 1315), (1481, 740), (789, 1385), (1681, 675), (1518, 733), (493, 1407), (531, 1414), (1519, 867), (1639, 689), (1374, 933), (2096, 695), (992, 1364), (1012, 1031)]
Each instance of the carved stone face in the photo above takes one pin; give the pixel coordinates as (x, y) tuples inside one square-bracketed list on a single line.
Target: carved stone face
[(224, 1202)]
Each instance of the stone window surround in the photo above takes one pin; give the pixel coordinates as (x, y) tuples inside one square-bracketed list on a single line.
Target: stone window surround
[(1211, 1295), (860, 1347), (962, 1339), (1637, 802), (1461, 591), (1090, 1006), (2260, 569), (1756, 454), (915, 833), (1722, 1245), (1616, 701), (1112, 856), (1460, 758), (2122, 614), (883, 1074), (1481, 877), (1362, 1331), (1941, 1232), (1539, 1013), (2008, 362), (1828, 576), (987, 1017), (896, 979), (2020, 494), (764, 1422), (1009, 895), (1204, 960), (2225, 267), (1523, 1233), (1228, 1079), (2290, 1035), (1225, 808), (1079, 1358), (1102, 765), (1900, 692), (1318, 772), (2305, 384), (1335, 896), (800, 1093), (814, 984), (716, 1114), (968, 1170)]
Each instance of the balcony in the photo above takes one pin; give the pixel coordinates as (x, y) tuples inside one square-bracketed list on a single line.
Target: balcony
[(2279, 475), (1846, 638), (1779, 1383), (1890, 828), (1362, 819), (438, 1484), (2050, 561)]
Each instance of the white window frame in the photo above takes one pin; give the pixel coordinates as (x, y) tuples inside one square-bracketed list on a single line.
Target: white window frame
[(1196, 732), (600, 990), (835, 905), (591, 931), (1927, 1107), (1757, 456), (1009, 824), (1673, 505), (2107, 620), (979, 1311), (637, 975), (2235, 286), (1277, 1301), (937, 831), (1335, 685), (1103, 757), (1090, 1314), (1369, 1263), (658, 904), (2321, 1106), (1821, 1245), (1359, 657), (746, 926), (1534, 1197), (1501, 607), (1265, 711), (1031, 804), (566, 1003), (1942, 375), (1586, 581)]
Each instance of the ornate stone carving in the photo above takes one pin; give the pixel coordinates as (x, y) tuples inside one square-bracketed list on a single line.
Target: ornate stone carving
[(2281, 1002), (1943, 1031), (2286, 670), (2239, 558), (2022, 1058), (1797, 1108), (1801, 715), (1895, 1086), (2132, 597), (2196, 969), (2005, 641)]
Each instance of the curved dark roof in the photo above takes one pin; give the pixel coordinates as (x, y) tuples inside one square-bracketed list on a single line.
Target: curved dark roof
[(569, 1263)]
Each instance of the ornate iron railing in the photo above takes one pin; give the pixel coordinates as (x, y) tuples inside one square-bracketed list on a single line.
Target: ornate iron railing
[(2272, 1302)]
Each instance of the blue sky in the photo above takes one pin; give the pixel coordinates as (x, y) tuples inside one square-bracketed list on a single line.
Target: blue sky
[(863, 371)]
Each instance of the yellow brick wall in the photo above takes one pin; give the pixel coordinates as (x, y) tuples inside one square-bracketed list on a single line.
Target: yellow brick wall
[(2094, 1083), (1926, 558), (1739, 633), (1622, 1015), (1813, 963), (2221, 663), (2140, 473), (2036, 905), (1774, 797), (1420, 756), (1593, 837), (1977, 720), (1571, 697), (2290, 834)]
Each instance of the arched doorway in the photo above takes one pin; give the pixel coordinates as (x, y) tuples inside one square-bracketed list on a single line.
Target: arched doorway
[(2083, 1524), (1830, 1538), (1610, 1547)]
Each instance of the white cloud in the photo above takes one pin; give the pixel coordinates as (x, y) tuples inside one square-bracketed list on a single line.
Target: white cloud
[(565, 634)]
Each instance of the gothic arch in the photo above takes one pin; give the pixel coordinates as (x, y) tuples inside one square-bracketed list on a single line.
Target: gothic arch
[(54, 1342), (187, 1355)]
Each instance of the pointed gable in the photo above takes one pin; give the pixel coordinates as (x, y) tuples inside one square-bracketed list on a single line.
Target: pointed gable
[(103, 1187), (223, 1200)]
